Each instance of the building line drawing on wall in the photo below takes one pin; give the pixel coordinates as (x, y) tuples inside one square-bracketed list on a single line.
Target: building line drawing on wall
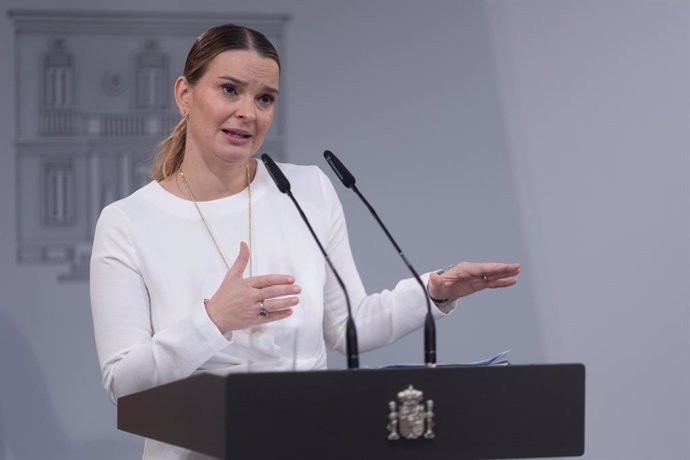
[(93, 97)]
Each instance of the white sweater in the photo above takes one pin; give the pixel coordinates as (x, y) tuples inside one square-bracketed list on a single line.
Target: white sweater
[(153, 263)]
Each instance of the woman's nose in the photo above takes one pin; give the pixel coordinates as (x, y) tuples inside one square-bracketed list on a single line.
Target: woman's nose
[(246, 108)]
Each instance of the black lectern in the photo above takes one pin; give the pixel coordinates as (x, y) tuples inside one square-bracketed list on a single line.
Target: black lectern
[(441, 413)]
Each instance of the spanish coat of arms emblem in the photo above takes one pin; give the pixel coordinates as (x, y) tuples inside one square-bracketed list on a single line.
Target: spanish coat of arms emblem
[(410, 417)]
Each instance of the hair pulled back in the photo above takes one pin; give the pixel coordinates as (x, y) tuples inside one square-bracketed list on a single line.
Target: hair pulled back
[(211, 43)]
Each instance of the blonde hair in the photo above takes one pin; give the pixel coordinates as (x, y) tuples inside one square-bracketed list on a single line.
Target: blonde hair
[(227, 37), (170, 152)]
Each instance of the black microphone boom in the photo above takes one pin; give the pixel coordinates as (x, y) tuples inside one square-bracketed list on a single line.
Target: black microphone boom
[(340, 170), (283, 185), (348, 181), (277, 175)]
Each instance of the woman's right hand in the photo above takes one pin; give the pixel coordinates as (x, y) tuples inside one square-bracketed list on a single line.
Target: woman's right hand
[(238, 301)]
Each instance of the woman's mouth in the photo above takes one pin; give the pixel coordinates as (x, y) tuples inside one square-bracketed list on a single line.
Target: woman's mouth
[(240, 134), (237, 136)]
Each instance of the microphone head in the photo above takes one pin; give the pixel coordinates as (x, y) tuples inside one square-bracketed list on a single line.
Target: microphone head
[(340, 170), (276, 174)]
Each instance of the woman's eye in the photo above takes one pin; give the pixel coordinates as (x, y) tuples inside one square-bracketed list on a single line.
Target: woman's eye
[(229, 89), (266, 99)]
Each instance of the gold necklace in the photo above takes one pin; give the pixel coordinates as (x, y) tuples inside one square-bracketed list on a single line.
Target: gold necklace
[(191, 196)]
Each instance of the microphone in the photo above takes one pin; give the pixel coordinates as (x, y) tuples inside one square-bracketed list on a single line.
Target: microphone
[(348, 181), (350, 332)]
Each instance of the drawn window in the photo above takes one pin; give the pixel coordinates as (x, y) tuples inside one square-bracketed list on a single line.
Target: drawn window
[(58, 77), (151, 78), (59, 186)]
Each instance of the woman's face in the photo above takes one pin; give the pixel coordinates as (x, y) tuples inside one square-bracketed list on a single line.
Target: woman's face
[(231, 107)]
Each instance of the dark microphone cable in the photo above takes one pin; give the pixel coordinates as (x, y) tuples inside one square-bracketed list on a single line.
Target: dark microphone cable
[(351, 332), (348, 181)]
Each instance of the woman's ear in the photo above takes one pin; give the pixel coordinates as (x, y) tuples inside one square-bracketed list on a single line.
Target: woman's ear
[(182, 92)]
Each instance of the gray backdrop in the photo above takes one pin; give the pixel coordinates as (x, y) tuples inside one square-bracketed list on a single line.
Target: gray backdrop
[(554, 133)]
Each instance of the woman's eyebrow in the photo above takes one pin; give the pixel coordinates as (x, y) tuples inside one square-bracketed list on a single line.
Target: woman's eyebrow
[(243, 83)]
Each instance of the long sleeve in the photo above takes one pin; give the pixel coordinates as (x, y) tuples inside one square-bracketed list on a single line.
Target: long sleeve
[(131, 355), (381, 318), (153, 263)]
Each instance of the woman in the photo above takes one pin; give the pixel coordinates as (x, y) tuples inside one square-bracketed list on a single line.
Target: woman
[(208, 267)]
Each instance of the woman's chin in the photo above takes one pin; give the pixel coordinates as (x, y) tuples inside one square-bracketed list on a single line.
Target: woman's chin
[(236, 156)]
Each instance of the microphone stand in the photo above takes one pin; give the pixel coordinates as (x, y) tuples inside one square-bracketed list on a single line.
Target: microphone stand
[(348, 181), (350, 332)]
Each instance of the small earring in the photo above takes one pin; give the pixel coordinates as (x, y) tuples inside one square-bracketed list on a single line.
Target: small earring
[(184, 113)]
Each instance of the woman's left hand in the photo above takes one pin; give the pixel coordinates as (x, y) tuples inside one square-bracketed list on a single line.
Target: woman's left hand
[(466, 278)]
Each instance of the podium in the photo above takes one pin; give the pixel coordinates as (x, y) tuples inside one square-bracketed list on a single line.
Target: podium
[(475, 413)]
